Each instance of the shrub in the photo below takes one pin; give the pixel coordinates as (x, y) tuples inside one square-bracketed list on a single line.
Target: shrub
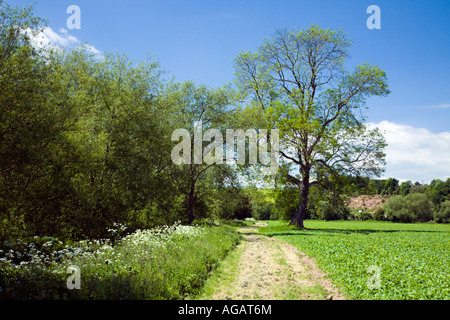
[(421, 208), (442, 215), (359, 214), (286, 201), (379, 214), (262, 211), (327, 211), (415, 207), (396, 209), (364, 215)]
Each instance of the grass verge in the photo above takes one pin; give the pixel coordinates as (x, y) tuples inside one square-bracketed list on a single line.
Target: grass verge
[(161, 263)]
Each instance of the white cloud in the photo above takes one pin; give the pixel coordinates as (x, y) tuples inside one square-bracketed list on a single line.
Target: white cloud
[(415, 154), (49, 38), (93, 49), (439, 106)]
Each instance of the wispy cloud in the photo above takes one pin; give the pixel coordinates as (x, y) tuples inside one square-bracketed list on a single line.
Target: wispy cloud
[(49, 38), (415, 153), (439, 106)]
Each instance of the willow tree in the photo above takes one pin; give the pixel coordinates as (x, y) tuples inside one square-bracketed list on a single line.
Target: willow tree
[(196, 108), (296, 82)]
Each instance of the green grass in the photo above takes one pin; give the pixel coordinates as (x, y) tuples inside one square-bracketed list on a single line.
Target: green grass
[(222, 278), (164, 263), (413, 259)]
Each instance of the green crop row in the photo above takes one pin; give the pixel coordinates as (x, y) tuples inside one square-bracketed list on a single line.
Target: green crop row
[(376, 260)]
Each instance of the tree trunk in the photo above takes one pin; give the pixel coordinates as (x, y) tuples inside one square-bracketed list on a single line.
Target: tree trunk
[(300, 212), (191, 204)]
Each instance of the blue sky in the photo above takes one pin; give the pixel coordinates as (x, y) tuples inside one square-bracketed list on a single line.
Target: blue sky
[(198, 40)]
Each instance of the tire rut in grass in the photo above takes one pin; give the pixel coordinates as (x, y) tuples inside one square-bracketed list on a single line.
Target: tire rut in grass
[(271, 269)]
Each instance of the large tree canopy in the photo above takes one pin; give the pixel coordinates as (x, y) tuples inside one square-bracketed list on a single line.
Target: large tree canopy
[(296, 82)]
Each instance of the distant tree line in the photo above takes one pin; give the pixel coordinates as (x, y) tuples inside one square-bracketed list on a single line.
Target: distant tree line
[(437, 190), (403, 202)]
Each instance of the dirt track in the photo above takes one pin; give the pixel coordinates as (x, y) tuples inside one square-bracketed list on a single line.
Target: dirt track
[(271, 269)]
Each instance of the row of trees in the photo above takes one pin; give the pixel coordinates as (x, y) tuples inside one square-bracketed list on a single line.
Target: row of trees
[(437, 190), (420, 203), (86, 141)]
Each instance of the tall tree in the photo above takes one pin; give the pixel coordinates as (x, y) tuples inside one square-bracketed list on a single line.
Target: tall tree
[(439, 191), (119, 137), (297, 83), (200, 116), (405, 187), (82, 141), (33, 120), (391, 186)]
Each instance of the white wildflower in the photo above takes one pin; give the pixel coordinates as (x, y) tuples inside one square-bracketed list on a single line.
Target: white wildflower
[(47, 244)]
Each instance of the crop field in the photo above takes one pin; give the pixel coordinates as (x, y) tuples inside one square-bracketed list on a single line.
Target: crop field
[(376, 260)]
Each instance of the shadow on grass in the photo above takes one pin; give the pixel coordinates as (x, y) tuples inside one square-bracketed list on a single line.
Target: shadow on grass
[(333, 232)]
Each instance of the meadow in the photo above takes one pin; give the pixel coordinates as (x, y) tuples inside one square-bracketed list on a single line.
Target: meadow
[(413, 259), (164, 263)]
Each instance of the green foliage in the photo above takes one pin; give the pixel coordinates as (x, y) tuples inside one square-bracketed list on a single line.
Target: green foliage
[(84, 143), (327, 211), (443, 214), (420, 206), (377, 185), (356, 185), (262, 203), (379, 214), (286, 202), (188, 104), (439, 191), (230, 203), (244, 208), (30, 128), (412, 258), (391, 186), (328, 201), (263, 211), (405, 187), (414, 207), (318, 121), (163, 263), (396, 209), (361, 215)]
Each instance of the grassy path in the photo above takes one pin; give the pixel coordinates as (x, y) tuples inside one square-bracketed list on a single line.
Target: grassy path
[(265, 268)]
